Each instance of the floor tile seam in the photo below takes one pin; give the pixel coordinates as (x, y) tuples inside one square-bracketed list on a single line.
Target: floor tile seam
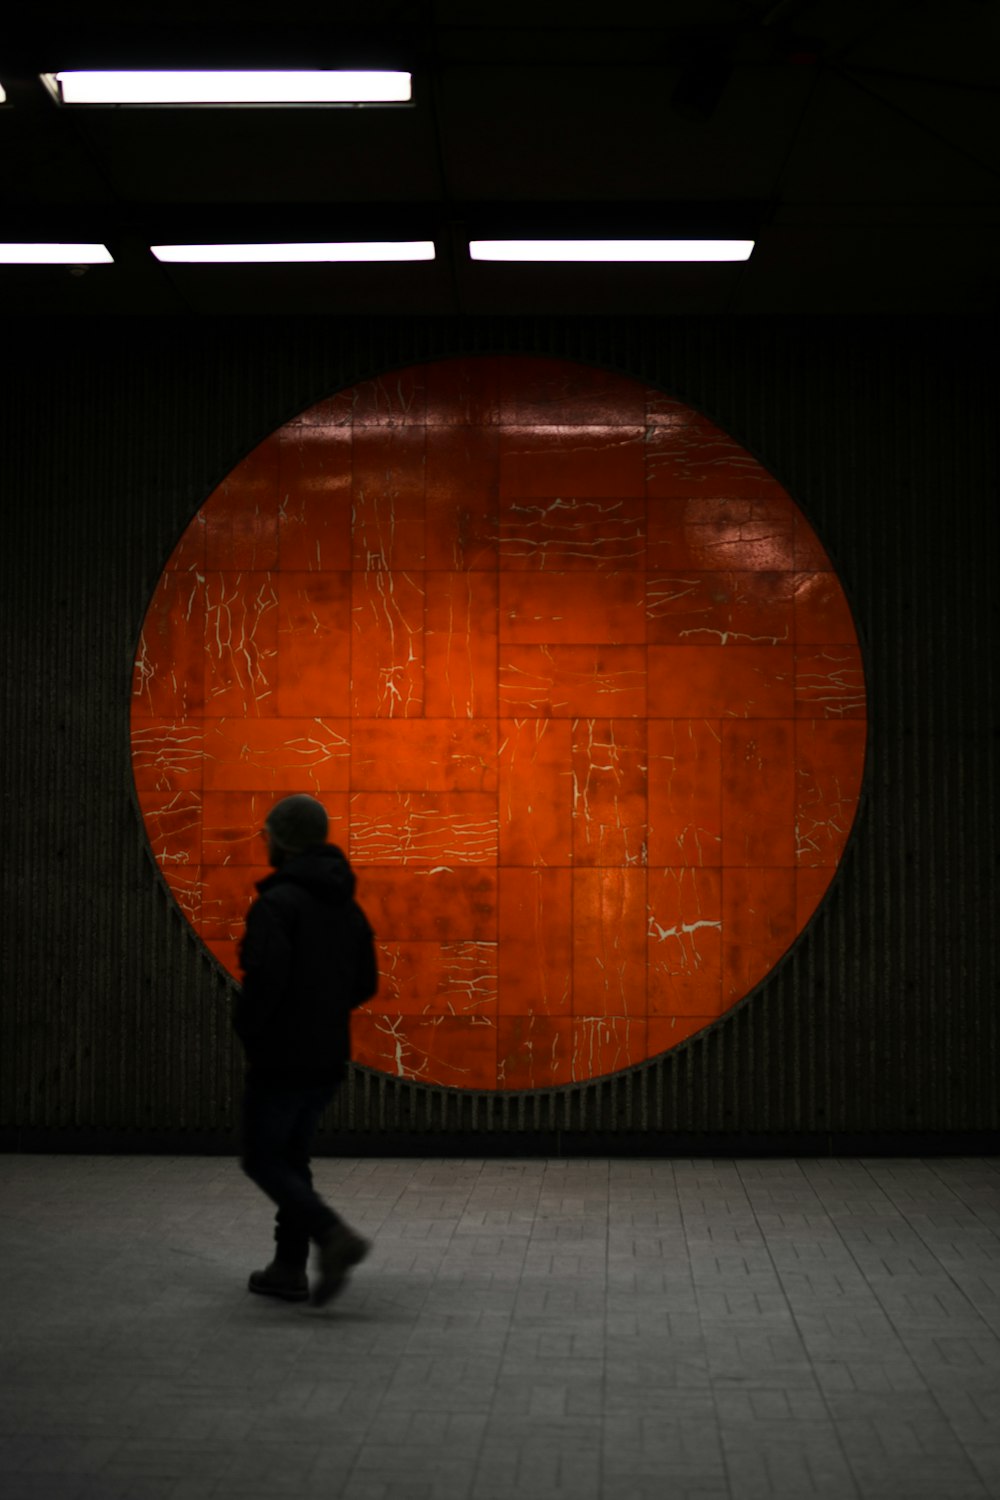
[(969, 1207), (377, 1410), (966, 1299), (512, 1329), (599, 1454), (725, 1457), (392, 1205), (985, 1478), (804, 1177), (504, 1350), (821, 1391), (929, 1391)]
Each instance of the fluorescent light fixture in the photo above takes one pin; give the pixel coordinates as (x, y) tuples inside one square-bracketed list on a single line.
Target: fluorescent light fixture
[(313, 87), (55, 255), (610, 250), (294, 254)]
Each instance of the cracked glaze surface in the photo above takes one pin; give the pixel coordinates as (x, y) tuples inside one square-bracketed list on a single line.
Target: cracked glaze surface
[(573, 677)]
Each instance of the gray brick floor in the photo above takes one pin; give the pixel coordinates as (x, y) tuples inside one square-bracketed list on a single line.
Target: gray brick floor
[(607, 1330)]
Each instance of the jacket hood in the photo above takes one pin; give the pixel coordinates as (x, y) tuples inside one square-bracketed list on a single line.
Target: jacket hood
[(323, 871)]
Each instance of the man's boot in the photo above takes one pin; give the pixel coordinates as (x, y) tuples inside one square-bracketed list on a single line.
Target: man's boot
[(281, 1279), (338, 1250)]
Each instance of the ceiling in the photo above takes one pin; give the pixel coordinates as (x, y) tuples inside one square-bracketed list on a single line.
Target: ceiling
[(858, 141)]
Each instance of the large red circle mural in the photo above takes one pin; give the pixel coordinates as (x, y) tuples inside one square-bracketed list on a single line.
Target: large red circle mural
[(572, 675)]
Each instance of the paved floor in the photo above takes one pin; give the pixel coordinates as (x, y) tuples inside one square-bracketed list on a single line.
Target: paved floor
[(607, 1330)]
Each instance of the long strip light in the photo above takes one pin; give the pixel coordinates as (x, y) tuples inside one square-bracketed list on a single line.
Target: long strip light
[(295, 253), (55, 255), (207, 87), (611, 250)]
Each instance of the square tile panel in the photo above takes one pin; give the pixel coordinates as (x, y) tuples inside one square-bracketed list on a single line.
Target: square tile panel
[(535, 932), (431, 905), (432, 978), (387, 645), (240, 518), (461, 499), (684, 789), (569, 533), (460, 645), (544, 461), (314, 491), (387, 498), (241, 644), (684, 942), (313, 643), (168, 676), (566, 609), (534, 1051)]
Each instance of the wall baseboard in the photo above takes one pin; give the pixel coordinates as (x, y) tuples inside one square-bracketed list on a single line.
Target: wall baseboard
[(527, 1144)]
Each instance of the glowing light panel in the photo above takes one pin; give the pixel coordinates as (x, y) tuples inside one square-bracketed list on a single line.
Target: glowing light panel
[(203, 87), (611, 250), (362, 250), (55, 255)]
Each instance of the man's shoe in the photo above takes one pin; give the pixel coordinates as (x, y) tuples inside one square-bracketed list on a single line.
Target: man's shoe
[(339, 1250), (277, 1280)]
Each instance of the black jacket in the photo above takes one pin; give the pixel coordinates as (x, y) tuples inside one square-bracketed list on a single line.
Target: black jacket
[(308, 958)]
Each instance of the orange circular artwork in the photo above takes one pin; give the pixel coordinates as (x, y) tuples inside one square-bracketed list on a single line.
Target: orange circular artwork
[(571, 673)]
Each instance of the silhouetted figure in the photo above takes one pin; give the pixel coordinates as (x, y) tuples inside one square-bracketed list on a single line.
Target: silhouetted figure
[(308, 958)]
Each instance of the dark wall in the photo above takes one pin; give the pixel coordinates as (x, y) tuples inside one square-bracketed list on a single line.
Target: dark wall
[(881, 1025)]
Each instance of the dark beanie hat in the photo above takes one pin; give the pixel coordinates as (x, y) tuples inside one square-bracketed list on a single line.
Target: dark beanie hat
[(297, 822)]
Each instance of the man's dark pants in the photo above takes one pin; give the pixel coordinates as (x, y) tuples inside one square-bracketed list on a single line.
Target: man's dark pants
[(279, 1121)]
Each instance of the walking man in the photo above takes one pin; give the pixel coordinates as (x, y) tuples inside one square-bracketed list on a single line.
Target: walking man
[(308, 958)]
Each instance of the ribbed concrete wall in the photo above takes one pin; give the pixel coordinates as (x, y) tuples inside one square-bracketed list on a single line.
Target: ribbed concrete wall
[(114, 1026)]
